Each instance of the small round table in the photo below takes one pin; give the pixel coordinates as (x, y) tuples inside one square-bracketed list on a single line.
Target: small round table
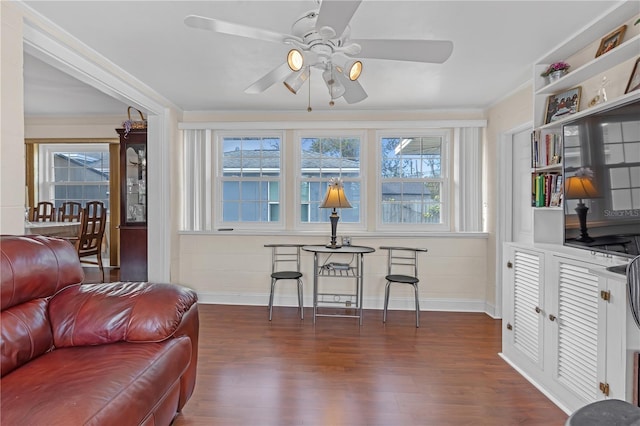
[(353, 269)]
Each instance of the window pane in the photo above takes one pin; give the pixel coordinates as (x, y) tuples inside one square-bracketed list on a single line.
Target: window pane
[(411, 202), (249, 161), (80, 176), (411, 179), (251, 157), (323, 159), (250, 191), (250, 212), (230, 211), (230, 191)]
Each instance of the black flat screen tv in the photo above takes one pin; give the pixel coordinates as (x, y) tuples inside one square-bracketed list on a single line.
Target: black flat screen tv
[(601, 165)]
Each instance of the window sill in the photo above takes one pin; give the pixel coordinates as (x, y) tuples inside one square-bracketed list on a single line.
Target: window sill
[(358, 235)]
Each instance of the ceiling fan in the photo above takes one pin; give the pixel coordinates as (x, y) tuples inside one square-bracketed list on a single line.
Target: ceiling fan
[(321, 39)]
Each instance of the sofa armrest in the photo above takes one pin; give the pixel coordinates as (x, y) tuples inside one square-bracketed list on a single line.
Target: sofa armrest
[(96, 314)]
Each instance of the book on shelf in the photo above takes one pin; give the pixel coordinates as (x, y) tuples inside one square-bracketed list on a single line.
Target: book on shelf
[(546, 149), (547, 190)]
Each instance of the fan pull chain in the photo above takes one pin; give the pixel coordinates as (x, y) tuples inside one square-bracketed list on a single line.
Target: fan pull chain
[(309, 104), (331, 83)]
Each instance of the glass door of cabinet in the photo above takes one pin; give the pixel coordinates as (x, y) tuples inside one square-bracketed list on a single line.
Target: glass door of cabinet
[(136, 184)]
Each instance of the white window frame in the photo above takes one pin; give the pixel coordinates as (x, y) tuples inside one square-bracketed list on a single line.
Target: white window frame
[(46, 172), (324, 133), (219, 223), (445, 179)]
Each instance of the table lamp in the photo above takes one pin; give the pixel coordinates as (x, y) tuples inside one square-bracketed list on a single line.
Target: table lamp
[(579, 188), (335, 199)]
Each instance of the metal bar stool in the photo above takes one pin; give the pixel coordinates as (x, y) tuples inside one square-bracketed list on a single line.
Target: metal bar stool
[(283, 259), (402, 268)]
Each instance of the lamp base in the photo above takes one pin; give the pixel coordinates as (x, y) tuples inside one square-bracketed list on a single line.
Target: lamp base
[(582, 210), (333, 246)]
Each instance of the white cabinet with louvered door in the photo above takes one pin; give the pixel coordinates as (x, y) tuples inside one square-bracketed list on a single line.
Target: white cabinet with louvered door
[(566, 325), (575, 347), (522, 315), (618, 338)]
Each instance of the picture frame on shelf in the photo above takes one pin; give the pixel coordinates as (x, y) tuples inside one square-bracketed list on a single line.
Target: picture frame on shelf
[(634, 78), (562, 104), (611, 40)]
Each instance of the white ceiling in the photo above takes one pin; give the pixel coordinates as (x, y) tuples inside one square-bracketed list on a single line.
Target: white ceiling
[(495, 46)]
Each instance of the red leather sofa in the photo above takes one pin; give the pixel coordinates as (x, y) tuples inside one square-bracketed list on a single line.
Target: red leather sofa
[(89, 354)]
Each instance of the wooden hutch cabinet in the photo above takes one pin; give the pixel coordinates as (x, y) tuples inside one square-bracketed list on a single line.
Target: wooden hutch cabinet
[(133, 205)]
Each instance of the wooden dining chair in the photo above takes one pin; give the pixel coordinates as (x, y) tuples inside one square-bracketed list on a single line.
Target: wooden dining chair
[(44, 211), (70, 211), (89, 241)]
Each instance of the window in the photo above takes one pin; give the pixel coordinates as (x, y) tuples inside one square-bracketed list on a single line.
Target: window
[(76, 172), (413, 178), (250, 178), (323, 158), (421, 179)]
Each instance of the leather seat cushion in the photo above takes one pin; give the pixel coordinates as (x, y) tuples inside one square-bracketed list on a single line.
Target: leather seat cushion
[(114, 384)]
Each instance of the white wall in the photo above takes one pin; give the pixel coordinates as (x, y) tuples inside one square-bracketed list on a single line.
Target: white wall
[(86, 127), (510, 113), (12, 152), (234, 269)]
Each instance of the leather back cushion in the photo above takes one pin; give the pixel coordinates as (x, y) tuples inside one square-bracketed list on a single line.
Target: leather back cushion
[(34, 266), (32, 269), (25, 334), (96, 314)]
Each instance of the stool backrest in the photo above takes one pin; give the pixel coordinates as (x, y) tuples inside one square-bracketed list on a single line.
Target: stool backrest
[(285, 257), (403, 260)]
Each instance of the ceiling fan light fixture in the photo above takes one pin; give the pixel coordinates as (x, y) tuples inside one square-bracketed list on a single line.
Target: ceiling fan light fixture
[(296, 79), (354, 69), (336, 89), (295, 60)]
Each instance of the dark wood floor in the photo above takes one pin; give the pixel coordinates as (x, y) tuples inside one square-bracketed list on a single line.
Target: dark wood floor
[(290, 372), (92, 274)]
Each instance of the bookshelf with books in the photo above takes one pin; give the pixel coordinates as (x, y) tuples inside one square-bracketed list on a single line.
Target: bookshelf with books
[(546, 169)]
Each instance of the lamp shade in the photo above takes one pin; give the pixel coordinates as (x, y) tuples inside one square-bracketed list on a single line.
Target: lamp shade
[(335, 197), (580, 187)]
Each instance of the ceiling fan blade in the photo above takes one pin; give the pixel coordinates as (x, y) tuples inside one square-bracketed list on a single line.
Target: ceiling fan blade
[(336, 14), (277, 75), (433, 51), (354, 92), (224, 27)]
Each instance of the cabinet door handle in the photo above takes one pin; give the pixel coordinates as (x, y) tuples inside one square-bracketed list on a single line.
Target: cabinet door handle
[(538, 310), (552, 317), (509, 264)]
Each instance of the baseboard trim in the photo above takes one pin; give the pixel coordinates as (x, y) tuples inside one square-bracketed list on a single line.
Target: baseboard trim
[(400, 304), (537, 385)]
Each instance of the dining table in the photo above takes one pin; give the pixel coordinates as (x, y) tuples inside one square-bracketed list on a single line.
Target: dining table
[(52, 229)]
